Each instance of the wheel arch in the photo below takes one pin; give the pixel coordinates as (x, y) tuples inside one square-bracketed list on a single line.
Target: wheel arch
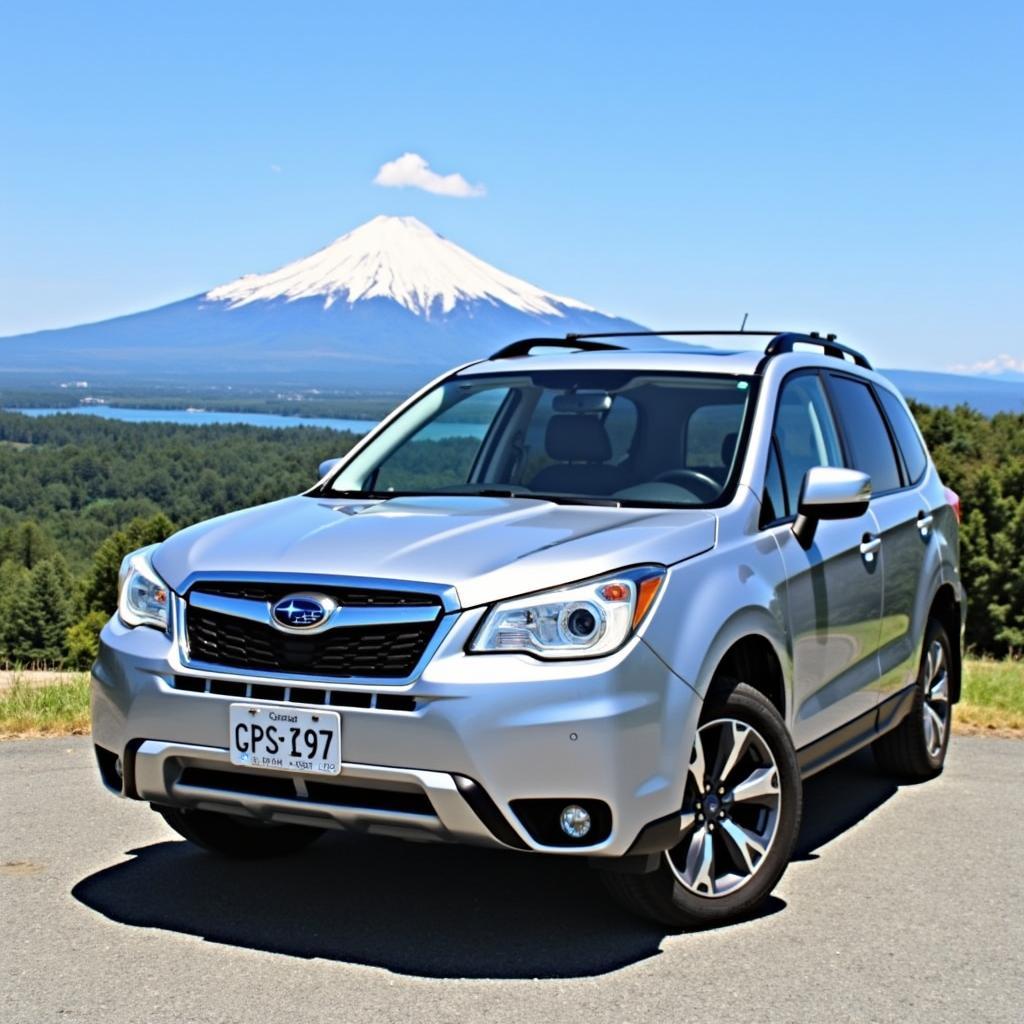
[(751, 648), (945, 608)]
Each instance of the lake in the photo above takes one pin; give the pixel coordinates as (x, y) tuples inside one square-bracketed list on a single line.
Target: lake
[(203, 418)]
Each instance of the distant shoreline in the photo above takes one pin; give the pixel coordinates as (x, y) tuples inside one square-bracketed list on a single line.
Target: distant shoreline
[(199, 417)]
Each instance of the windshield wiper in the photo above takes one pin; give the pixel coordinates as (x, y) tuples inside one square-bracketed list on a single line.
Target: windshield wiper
[(558, 499), (368, 495)]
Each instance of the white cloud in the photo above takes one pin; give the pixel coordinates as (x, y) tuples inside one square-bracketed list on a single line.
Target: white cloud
[(276, 168), (998, 364), (410, 170)]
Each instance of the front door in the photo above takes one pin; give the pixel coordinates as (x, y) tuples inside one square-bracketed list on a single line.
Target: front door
[(834, 589)]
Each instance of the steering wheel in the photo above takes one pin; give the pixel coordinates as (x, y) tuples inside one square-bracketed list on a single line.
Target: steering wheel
[(706, 489)]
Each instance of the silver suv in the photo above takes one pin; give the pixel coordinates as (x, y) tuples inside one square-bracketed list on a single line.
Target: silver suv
[(611, 598)]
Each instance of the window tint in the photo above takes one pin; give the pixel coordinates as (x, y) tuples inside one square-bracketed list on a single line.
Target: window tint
[(914, 456), (864, 429), (805, 433)]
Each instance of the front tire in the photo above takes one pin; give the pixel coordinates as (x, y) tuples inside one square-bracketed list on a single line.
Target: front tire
[(916, 749), (238, 838), (740, 818)]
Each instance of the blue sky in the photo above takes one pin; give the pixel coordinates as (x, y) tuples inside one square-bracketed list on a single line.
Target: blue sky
[(847, 167)]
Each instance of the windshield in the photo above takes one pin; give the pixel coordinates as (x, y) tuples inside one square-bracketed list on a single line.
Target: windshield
[(595, 436)]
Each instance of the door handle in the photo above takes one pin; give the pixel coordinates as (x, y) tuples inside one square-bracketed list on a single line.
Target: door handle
[(924, 522), (869, 547)]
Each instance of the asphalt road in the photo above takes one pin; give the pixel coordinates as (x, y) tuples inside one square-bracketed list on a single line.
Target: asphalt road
[(903, 905)]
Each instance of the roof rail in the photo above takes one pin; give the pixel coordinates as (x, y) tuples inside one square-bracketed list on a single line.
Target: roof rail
[(671, 334), (787, 343), (572, 341), (782, 341)]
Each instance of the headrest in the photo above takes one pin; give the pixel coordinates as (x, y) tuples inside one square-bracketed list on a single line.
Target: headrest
[(728, 448), (577, 439)]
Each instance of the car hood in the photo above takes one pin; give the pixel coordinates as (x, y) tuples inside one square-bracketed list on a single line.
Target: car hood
[(484, 548)]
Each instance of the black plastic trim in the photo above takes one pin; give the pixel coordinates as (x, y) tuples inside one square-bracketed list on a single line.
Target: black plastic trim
[(487, 811), (893, 710), (857, 733), (656, 836), (788, 341), (571, 341), (106, 761), (539, 816), (128, 768)]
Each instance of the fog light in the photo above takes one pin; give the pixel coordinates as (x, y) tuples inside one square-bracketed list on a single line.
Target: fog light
[(119, 768), (575, 821)]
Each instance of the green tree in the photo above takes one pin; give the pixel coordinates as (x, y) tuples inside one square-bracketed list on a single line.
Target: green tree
[(26, 543), (83, 640), (14, 579), (41, 614), (100, 591)]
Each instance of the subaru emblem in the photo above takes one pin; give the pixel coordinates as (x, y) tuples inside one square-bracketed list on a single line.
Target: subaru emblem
[(302, 611)]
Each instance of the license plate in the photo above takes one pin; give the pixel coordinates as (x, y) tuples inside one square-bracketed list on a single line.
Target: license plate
[(286, 740)]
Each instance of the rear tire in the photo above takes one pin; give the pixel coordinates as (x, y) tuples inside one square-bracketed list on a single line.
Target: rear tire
[(738, 836), (916, 749), (238, 838)]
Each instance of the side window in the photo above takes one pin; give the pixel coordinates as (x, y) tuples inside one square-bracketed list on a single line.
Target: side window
[(805, 434), (867, 438), (774, 504), (914, 456)]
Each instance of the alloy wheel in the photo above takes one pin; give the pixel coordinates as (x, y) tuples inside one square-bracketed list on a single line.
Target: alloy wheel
[(935, 706), (730, 812)]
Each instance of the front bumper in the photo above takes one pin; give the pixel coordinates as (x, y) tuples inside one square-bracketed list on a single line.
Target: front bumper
[(480, 732)]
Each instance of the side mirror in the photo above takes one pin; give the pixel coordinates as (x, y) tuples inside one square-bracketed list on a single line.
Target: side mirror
[(327, 466), (828, 492)]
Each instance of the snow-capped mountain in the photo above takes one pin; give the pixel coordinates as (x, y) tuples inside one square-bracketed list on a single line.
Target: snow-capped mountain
[(385, 305), (401, 259)]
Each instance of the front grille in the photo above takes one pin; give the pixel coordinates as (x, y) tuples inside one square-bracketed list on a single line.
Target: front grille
[(374, 652), (351, 597)]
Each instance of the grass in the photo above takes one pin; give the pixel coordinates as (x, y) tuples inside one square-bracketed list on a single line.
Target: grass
[(52, 709), (992, 700), (34, 705)]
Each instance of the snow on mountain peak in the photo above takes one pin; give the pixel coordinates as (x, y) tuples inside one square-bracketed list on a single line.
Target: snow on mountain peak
[(397, 258)]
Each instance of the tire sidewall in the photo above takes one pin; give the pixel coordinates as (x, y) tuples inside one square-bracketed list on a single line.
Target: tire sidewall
[(742, 702), (934, 632)]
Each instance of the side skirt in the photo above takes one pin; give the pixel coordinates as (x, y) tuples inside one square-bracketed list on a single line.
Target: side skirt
[(864, 729)]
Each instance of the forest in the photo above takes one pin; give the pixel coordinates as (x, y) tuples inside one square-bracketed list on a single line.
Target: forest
[(77, 493)]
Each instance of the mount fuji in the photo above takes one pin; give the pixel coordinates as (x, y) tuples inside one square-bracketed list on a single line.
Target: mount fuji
[(385, 305)]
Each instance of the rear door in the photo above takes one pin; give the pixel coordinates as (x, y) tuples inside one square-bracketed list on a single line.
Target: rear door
[(882, 441), (834, 588), (869, 448)]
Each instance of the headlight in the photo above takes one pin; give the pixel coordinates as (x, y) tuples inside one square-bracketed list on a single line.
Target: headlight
[(582, 621), (142, 597)]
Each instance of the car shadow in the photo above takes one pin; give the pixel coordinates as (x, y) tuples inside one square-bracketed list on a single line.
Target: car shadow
[(427, 910), (837, 799)]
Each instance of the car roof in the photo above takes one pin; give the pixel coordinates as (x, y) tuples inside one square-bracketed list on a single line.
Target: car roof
[(667, 358)]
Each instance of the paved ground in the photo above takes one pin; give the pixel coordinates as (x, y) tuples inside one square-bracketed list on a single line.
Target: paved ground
[(904, 905)]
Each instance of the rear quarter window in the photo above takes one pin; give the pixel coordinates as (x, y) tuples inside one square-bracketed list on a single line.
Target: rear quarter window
[(915, 458)]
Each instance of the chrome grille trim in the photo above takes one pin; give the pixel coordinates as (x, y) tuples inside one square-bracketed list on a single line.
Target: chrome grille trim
[(345, 616), (182, 661)]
